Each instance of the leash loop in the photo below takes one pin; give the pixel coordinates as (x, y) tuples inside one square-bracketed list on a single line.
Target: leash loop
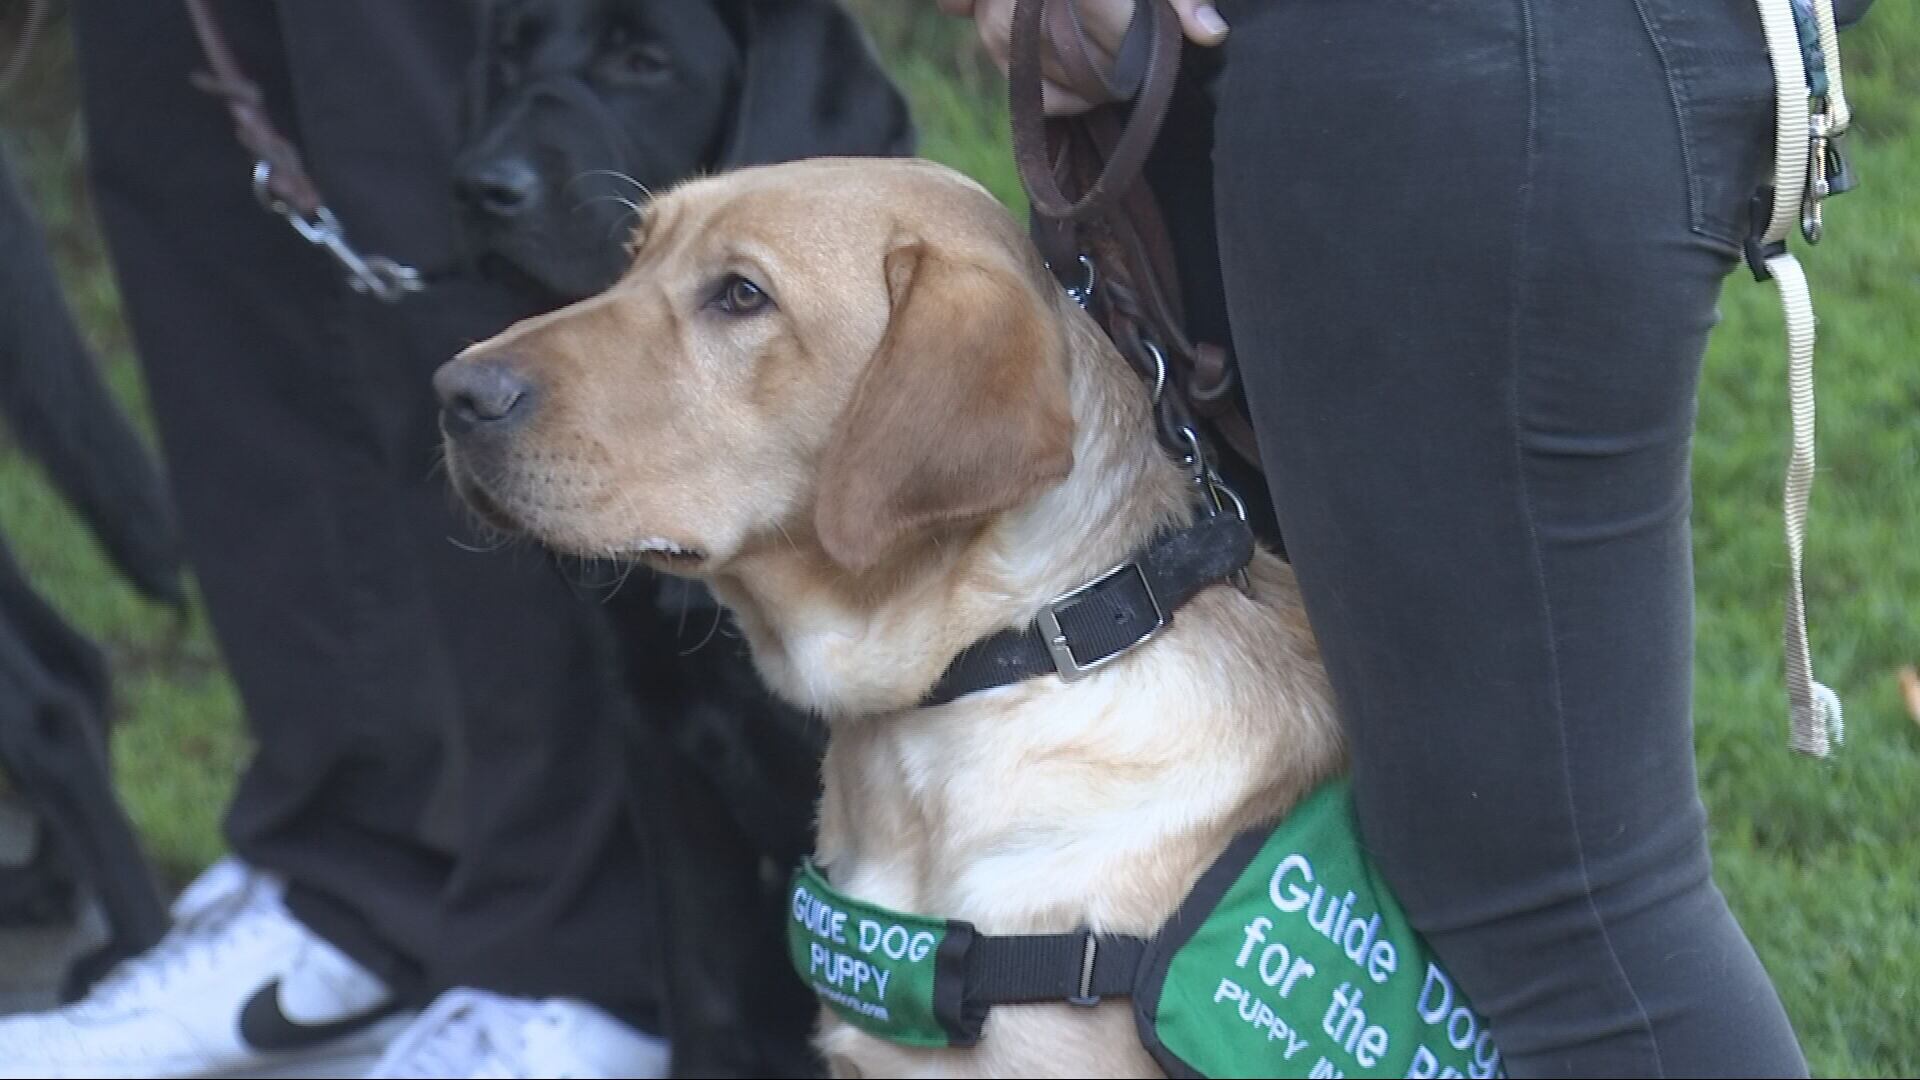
[(1810, 112), (1029, 126)]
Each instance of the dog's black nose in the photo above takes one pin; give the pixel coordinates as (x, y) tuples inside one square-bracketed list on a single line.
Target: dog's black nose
[(500, 187), (481, 392)]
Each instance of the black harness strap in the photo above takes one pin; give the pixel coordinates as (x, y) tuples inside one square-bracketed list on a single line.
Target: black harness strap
[(1106, 617), (1078, 968)]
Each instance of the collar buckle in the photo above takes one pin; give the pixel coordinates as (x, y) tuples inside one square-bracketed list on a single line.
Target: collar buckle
[(1069, 666)]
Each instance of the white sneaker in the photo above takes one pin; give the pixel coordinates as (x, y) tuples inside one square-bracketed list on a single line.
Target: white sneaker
[(236, 983), (474, 1033)]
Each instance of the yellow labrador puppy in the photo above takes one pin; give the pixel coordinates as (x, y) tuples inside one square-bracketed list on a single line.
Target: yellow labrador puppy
[(848, 394)]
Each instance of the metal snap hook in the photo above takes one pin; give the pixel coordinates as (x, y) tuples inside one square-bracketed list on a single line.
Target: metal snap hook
[(382, 278), (1217, 487)]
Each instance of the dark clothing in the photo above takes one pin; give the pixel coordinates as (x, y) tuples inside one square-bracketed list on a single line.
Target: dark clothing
[(438, 772), (1470, 256)]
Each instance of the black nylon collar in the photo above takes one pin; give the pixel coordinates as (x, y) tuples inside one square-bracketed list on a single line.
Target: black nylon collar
[(1106, 617)]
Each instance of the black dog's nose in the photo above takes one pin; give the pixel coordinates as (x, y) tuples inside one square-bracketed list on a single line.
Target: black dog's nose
[(501, 187), (480, 392)]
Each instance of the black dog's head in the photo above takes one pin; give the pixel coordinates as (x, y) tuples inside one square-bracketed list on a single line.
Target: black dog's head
[(581, 107)]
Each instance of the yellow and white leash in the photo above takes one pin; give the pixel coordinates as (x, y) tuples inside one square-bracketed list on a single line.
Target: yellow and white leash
[(1805, 124)]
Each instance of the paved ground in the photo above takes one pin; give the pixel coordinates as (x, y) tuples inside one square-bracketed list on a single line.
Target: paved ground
[(33, 959)]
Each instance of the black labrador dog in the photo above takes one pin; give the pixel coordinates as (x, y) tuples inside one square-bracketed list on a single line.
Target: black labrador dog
[(578, 110), (587, 106), (53, 681)]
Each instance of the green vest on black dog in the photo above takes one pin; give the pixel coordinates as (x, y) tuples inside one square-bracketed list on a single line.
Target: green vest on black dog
[(1289, 958)]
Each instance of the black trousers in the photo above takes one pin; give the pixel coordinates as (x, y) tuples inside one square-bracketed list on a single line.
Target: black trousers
[(1469, 257), (438, 769)]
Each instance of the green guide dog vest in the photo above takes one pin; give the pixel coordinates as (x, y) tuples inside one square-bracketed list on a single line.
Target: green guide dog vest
[(1289, 958)]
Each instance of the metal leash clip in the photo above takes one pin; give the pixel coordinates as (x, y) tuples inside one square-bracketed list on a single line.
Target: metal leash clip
[(375, 275), (1215, 494), (1828, 173)]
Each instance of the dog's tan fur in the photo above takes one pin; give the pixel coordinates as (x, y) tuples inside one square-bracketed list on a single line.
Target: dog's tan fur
[(918, 445)]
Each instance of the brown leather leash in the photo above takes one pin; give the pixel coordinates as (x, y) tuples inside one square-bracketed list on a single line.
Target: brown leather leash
[(280, 179), (1092, 217)]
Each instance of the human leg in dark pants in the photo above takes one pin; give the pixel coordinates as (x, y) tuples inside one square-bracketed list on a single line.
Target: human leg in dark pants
[(297, 418), (1471, 256)]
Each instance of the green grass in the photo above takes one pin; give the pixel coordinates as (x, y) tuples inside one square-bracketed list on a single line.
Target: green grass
[(1821, 860), (179, 741)]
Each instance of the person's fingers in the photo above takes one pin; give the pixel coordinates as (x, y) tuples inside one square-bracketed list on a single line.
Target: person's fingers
[(1201, 21), (996, 37)]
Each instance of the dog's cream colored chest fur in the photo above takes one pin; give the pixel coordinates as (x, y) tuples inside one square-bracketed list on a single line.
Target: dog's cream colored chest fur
[(1045, 807)]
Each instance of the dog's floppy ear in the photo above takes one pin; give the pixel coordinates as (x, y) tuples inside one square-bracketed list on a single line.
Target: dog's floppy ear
[(962, 412), (812, 88)]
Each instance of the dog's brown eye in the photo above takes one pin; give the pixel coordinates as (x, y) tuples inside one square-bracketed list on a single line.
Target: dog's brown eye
[(738, 296)]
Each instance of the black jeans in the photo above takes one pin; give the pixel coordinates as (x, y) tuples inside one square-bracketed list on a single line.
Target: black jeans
[(1469, 255), (438, 770)]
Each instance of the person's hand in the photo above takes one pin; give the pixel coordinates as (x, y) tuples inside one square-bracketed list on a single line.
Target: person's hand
[(1106, 25)]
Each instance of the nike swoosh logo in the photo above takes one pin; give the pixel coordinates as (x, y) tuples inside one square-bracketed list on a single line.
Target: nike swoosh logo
[(266, 1027)]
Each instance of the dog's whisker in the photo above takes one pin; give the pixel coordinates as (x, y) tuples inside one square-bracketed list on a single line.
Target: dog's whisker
[(626, 571), (496, 543), (632, 207), (616, 226), (718, 614), (645, 192), (634, 211)]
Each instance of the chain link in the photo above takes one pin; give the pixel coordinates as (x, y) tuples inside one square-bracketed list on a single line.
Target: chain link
[(1174, 425)]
